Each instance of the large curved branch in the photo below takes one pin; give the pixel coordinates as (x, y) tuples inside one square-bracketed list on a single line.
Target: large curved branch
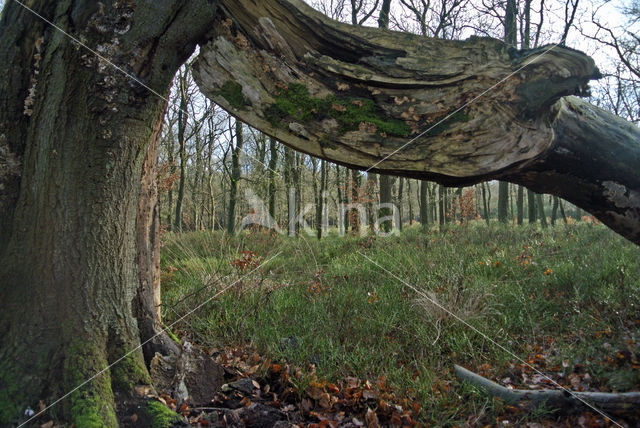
[(364, 97)]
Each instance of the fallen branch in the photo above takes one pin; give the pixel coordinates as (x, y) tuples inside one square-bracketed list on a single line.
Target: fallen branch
[(625, 404)]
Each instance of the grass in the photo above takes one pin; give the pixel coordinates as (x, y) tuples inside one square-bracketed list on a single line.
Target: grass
[(570, 293)]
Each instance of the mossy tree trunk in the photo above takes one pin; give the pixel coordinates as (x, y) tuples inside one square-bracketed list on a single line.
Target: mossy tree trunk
[(70, 269), (419, 107)]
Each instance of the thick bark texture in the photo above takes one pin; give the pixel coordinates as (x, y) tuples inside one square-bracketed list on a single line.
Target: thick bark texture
[(80, 131), (457, 112)]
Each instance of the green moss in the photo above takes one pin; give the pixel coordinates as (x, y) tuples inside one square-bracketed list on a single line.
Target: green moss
[(158, 416), (173, 336), (10, 397), (295, 102), (457, 117), (91, 405), (128, 372), (232, 92)]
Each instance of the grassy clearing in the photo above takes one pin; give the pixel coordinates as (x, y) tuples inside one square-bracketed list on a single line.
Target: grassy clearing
[(561, 298)]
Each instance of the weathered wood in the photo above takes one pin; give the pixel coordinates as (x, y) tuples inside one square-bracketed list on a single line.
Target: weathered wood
[(364, 97), (622, 404)]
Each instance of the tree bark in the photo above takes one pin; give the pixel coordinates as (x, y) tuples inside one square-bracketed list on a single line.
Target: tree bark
[(300, 85), (182, 125), (234, 178), (485, 203), (385, 198), (503, 201), (400, 202), (531, 206), (69, 271), (520, 205), (541, 213), (273, 164)]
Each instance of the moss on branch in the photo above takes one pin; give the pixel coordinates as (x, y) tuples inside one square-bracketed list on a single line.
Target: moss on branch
[(296, 103), (232, 92)]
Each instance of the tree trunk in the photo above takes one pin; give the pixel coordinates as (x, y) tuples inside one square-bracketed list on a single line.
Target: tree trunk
[(182, 125), (531, 205), (524, 131), (541, 213), (340, 214), (400, 202), (503, 201), (564, 216), (273, 164), (234, 178), (70, 217), (554, 211), (424, 221), (410, 201), (442, 204), (485, 203), (385, 198), (354, 215), (289, 180), (520, 205)]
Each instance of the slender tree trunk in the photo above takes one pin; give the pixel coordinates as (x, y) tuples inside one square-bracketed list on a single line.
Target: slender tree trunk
[(354, 216), (320, 208), (340, 215), (273, 164), (182, 125), (316, 196), (442, 202), (423, 205), (400, 202), (172, 170), (372, 196), (410, 201), (235, 178), (385, 198), (520, 205), (289, 173), (503, 201), (564, 216), (554, 211), (541, 213), (531, 204), (297, 177), (196, 188), (485, 202)]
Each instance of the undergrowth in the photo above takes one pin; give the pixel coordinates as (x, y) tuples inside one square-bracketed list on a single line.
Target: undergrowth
[(568, 294)]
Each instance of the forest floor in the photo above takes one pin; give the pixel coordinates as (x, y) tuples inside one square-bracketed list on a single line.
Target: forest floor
[(345, 332)]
